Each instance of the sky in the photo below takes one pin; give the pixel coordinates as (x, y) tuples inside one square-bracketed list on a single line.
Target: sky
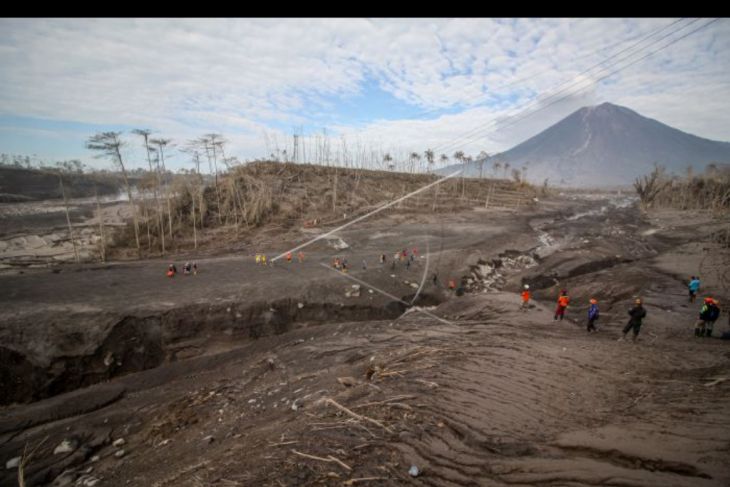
[(368, 86)]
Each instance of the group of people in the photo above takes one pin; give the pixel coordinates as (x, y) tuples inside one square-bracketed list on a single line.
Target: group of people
[(188, 269), (708, 315)]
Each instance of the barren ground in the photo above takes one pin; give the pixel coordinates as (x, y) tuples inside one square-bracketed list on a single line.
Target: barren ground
[(249, 375)]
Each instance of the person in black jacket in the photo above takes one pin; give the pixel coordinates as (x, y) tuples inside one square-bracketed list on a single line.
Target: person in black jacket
[(709, 314), (637, 314)]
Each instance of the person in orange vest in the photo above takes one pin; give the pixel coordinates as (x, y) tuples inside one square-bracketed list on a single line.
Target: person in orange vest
[(171, 270), (452, 284), (525, 298), (300, 256), (563, 301), (288, 257)]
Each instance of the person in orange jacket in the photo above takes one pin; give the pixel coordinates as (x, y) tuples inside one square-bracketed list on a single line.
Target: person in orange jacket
[(563, 301), (288, 257), (525, 298)]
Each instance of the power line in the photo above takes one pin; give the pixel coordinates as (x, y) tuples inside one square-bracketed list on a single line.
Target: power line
[(481, 131), (575, 81)]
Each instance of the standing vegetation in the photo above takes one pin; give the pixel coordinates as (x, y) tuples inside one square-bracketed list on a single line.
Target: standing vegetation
[(108, 144)]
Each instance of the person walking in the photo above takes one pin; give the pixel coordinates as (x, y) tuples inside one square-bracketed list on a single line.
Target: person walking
[(525, 298), (593, 314), (563, 301), (709, 313), (694, 287), (637, 314)]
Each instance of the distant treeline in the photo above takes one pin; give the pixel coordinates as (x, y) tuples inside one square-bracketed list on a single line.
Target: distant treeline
[(20, 184)]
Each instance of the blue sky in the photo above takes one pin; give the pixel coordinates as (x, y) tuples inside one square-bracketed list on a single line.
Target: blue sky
[(382, 85)]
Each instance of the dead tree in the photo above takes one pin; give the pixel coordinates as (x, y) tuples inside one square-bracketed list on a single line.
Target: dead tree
[(649, 186), (161, 144), (108, 144), (144, 133), (68, 218), (100, 216)]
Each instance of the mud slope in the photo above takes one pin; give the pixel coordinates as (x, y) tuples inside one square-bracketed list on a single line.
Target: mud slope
[(487, 395)]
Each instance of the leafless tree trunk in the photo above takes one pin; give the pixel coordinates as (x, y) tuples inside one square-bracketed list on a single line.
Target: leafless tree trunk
[(108, 143), (195, 230), (334, 192), (156, 189), (100, 216), (68, 218)]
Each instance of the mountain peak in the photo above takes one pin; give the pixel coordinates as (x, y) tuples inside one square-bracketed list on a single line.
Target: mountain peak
[(610, 144)]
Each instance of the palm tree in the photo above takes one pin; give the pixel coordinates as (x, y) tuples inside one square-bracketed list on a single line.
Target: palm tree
[(429, 158), (387, 160), (482, 157), (414, 158), (444, 158), (459, 156)]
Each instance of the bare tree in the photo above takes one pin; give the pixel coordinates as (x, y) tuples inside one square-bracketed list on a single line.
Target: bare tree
[(413, 159), (444, 159), (459, 156), (145, 134), (649, 186), (59, 173), (467, 160), (482, 158), (388, 160), (209, 143), (161, 145), (108, 144), (429, 155)]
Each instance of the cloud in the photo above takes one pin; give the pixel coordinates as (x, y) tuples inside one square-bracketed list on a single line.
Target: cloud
[(247, 77)]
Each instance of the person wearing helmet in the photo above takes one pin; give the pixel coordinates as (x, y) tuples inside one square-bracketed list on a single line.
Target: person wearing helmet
[(637, 314), (563, 301), (525, 298), (592, 315), (709, 313)]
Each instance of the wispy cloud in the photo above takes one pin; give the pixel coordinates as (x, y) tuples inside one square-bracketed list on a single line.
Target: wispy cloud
[(442, 77)]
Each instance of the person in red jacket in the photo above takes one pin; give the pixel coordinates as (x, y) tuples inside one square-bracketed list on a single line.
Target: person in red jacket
[(525, 298), (563, 301)]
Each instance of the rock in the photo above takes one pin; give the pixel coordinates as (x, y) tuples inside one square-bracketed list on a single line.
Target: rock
[(108, 359), (95, 458), (347, 381), (370, 291), (66, 446), (87, 481), (12, 463), (300, 305), (119, 453), (119, 442), (209, 439), (414, 285), (66, 479), (413, 471)]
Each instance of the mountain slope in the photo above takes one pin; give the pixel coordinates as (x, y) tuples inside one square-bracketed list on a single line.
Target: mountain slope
[(606, 144)]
